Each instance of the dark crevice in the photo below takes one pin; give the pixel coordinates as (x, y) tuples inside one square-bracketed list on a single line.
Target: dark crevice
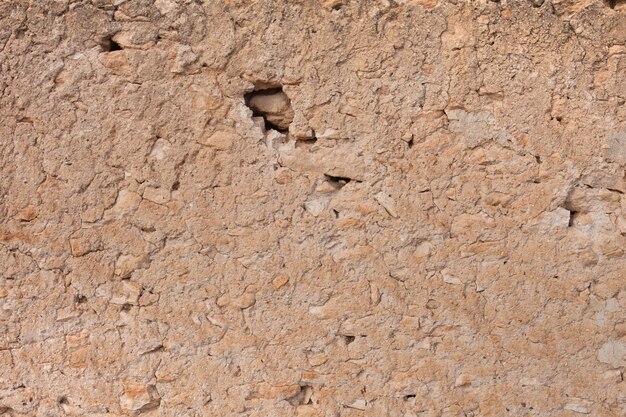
[(306, 391), (109, 45), (347, 339), (272, 126), (157, 349), (303, 396), (337, 182), (115, 46), (305, 142), (572, 217), (80, 299), (273, 105), (616, 4)]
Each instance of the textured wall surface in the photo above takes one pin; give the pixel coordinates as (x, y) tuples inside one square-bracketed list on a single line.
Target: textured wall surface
[(409, 208)]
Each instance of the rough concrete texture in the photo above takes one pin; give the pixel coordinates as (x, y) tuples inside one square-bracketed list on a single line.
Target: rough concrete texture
[(409, 208)]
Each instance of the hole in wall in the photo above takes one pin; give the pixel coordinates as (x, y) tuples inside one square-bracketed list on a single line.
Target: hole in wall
[(306, 393), (273, 105), (616, 4), (347, 339), (337, 182), (332, 5), (20, 32), (303, 396), (80, 299), (109, 45), (572, 218), (304, 143)]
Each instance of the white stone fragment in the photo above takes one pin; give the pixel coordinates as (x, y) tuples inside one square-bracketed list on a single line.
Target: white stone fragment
[(578, 405), (359, 404), (328, 134), (449, 278), (159, 149), (165, 6), (315, 207), (388, 203), (613, 353), (157, 195)]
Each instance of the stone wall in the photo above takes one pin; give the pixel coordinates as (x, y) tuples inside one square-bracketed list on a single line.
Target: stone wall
[(261, 208)]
